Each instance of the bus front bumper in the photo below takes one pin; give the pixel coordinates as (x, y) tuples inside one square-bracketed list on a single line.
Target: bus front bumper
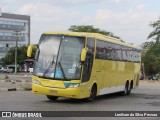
[(77, 93)]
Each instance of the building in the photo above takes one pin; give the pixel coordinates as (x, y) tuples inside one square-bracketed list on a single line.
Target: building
[(13, 27)]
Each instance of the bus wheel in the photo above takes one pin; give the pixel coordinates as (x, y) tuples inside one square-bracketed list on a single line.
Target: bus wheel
[(53, 98), (130, 88), (93, 93), (125, 92)]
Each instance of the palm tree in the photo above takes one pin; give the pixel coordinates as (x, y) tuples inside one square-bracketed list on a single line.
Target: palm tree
[(156, 32)]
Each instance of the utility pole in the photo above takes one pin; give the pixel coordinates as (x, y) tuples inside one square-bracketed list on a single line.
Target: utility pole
[(16, 47)]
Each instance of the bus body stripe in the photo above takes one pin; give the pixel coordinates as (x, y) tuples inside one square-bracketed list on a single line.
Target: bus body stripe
[(111, 90)]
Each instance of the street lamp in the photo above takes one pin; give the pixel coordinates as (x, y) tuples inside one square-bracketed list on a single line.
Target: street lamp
[(17, 33)]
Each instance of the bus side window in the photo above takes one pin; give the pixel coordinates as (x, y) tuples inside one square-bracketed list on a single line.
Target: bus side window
[(124, 53)]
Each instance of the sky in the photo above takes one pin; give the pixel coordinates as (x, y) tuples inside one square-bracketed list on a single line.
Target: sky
[(128, 19)]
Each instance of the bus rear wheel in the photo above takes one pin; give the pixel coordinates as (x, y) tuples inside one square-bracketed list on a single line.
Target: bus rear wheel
[(130, 88), (125, 92), (93, 93), (129, 91), (53, 98)]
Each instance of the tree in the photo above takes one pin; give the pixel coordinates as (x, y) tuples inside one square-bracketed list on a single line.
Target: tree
[(156, 32), (90, 28), (21, 56), (10, 56), (147, 45), (151, 59)]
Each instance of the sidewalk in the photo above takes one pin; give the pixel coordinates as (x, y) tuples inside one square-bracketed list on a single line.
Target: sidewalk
[(12, 82)]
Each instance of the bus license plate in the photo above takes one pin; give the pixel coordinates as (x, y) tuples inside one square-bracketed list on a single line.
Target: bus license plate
[(53, 91)]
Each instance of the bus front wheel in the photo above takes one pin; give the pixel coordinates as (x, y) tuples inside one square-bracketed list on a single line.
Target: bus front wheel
[(53, 98), (93, 93)]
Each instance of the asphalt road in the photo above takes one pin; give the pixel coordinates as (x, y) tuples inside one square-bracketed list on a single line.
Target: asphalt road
[(144, 98)]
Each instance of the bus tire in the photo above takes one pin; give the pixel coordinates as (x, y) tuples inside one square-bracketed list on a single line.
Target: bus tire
[(130, 88), (125, 92), (93, 93), (53, 98)]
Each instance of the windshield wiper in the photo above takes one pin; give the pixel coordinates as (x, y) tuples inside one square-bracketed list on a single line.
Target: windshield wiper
[(49, 67), (60, 65)]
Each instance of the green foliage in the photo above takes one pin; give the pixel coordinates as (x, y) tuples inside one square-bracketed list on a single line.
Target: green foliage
[(9, 58), (147, 45), (90, 28), (21, 56), (151, 59), (156, 32)]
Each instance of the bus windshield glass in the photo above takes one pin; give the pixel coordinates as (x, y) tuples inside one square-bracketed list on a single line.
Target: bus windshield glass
[(59, 57)]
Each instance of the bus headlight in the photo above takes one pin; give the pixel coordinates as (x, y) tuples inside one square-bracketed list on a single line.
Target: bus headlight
[(73, 85), (36, 82)]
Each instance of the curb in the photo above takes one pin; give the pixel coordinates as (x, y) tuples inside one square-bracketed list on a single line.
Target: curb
[(13, 89)]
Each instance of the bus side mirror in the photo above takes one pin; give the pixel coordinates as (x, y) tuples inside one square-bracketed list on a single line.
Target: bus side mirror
[(83, 54), (30, 48)]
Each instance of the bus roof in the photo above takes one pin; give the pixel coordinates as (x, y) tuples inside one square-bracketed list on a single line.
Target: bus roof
[(97, 36)]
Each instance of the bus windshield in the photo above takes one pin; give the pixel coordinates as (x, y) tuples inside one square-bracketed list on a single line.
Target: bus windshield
[(59, 57)]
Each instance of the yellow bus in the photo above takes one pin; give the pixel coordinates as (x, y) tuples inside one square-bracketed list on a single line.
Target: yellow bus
[(84, 65)]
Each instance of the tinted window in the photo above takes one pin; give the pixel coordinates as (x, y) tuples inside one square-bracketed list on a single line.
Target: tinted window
[(90, 45), (124, 53), (112, 51)]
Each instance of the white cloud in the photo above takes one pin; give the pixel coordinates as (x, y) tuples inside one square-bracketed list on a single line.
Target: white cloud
[(87, 19), (121, 1), (132, 25), (47, 17), (128, 19), (141, 6), (102, 15), (116, 1), (77, 1), (43, 11)]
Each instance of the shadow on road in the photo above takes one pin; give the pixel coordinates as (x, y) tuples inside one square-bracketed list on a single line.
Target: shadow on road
[(84, 101)]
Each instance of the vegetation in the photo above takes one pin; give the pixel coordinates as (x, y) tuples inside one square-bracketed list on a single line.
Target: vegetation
[(151, 58), (10, 56), (147, 45), (155, 34), (90, 28)]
